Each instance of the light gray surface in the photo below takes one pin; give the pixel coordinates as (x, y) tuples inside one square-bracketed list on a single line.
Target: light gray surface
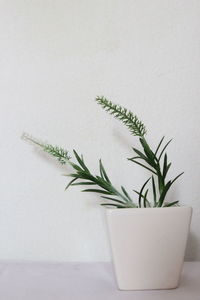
[(81, 281)]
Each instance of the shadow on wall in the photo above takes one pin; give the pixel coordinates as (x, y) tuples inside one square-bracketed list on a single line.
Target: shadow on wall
[(192, 248)]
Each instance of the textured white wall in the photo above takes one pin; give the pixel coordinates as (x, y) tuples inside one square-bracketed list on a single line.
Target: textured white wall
[(55, 57)]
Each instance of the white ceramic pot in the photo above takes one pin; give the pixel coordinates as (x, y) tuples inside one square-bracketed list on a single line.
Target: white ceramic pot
[(148, 246)]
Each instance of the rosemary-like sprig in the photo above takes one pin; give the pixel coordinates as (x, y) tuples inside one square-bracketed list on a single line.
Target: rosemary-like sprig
[(83, 177), (154, 161), (147, 158), (135, 126)]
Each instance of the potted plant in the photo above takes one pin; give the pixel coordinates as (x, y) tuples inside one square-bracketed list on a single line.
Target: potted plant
[(148, 238)]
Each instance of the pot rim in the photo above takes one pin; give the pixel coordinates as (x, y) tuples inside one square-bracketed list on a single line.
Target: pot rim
[(147, 209)]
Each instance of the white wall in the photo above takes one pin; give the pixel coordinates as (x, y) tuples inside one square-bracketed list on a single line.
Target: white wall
[(55, 57)]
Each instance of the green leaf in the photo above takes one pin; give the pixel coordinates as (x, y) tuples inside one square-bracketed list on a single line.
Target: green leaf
[(141, 155), (73, 175), (149, 159), (81, 162), (171, 204), (138, 163), (70, 183), (85, 175), (103, 172), (97, 191), (112, 204), (113, 199), (159, 145), (137, 192), (154, 191), (76, 167), (167, 169), (165, 166), (164, 150), (84, 183), (149, 153), (164, 192), (104, 184), (126, 193), (140, 194), (177, 177), (145, 198)]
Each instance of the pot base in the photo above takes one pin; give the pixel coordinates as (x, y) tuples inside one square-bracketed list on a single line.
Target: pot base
[(148, 246)]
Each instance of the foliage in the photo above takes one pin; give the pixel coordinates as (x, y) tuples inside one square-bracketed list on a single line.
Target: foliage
[(154, 161), (119, 199)]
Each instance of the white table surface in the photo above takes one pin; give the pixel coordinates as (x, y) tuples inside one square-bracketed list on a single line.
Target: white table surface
[(81, 281)]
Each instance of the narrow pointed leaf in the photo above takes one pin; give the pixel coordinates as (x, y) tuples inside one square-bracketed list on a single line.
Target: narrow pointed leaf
[(140, 195), (70, 183), (138, 163), (159, 145), (171, 204), (112, 204), (97, 191), (103, 172), (154, 191), (141, 155), (177, 177), (149, 153), (126, 193), (167, 169), (135, 157), (84, 183), (164, 192), (113, 199), (145, 198), (73, 175), (76, 167), (81, 162), (164, 150), (137, 192), (165, 165)]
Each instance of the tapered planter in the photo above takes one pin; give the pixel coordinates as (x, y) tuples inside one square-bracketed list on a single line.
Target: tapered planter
[(148, 246)]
